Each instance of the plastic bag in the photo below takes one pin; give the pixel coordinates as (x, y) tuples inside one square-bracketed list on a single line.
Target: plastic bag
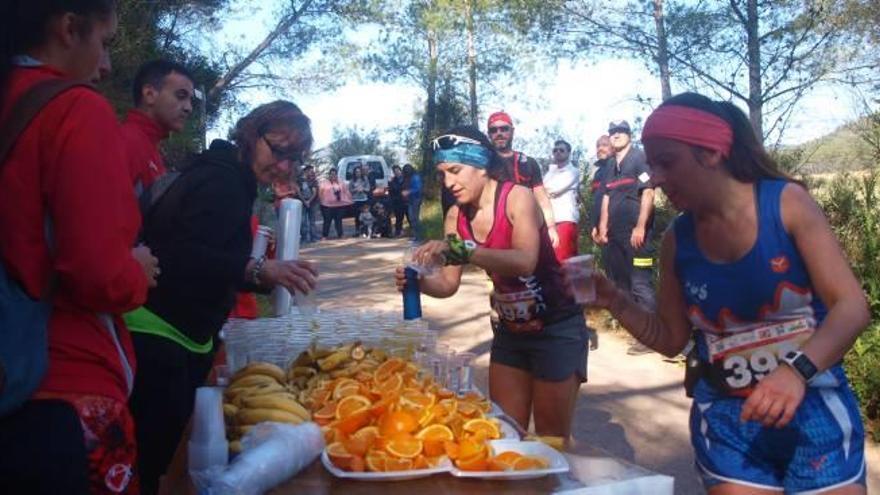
[(273, 453)]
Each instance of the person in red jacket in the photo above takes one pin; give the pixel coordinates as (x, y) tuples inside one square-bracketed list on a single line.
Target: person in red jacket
[(66, 175), (162, 94)]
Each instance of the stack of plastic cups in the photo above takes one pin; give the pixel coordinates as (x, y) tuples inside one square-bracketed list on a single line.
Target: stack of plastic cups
[(464, 366), (208, 447), (289, 221)]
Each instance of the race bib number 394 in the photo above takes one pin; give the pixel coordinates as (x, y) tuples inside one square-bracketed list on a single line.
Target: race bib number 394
[(741, 360)]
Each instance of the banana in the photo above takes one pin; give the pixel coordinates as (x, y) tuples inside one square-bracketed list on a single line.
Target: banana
[(243, 429), (284, 402), (229, 412), (334, 360), (317, 353), (250, 381), (240, 394), (303, 360), (235, 447), (305, 371), (253, 416), (267, 369)]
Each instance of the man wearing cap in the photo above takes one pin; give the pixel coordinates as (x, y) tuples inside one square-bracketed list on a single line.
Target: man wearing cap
[(521, 169), (162, 94), (627, 220)]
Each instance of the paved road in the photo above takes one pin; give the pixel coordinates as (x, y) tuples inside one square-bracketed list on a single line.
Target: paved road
[(632, 407)]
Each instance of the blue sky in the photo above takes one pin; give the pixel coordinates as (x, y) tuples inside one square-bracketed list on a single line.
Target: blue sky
[(571, 100)]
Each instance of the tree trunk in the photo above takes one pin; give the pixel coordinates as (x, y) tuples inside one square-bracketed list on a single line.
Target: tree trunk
[(756, 104), (662, 51), (430, 106), (472, 61), (283, 26)]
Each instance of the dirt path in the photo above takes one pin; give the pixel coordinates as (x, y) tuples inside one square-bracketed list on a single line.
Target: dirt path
[(632, 407)]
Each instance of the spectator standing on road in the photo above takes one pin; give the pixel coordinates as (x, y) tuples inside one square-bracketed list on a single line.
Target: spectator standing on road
[(398, 203), (627, 221), (308, 194), (521, 169), (604, 152), (412, 193), (202, 227), (561, 182), (752, 270), (360, 189), (162, 93), (68, 220), (335, 199)]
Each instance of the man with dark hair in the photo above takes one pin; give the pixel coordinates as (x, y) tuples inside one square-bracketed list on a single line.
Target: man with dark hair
[(627, 220), (162, 93), (603, 156), (522, 169), (561, 182)]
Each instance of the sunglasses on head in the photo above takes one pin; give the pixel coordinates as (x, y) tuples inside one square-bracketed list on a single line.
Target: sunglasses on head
[(288, 153), (500, 128), (449, 141), (560, 150)]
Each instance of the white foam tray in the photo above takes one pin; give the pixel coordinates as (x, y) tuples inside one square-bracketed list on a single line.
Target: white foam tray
[(558, 463)]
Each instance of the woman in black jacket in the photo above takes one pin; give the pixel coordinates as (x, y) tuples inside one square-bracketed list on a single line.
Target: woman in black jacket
[(201, 226)]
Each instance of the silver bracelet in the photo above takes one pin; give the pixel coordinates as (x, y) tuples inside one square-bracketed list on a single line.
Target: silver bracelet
[(255, 271)]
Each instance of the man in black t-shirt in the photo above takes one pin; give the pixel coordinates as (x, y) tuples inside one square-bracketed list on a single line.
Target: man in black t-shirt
[(604, 152), (627, 220), (521, 169)]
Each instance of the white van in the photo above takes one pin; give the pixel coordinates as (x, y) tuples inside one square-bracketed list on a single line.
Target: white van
[(381, 171)]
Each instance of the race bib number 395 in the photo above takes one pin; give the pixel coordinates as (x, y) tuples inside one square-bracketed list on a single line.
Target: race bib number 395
[(741, 360)]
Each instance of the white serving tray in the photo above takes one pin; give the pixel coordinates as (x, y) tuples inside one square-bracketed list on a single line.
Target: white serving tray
[(558, 463), (444, 467)]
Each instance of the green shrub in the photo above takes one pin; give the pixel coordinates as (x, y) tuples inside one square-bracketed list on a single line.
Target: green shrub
[(851, 203)]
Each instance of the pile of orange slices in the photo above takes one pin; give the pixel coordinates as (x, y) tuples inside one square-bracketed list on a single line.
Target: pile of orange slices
[(391, 419)]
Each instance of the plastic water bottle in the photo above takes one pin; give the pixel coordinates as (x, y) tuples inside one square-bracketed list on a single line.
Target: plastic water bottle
[(412, 302)]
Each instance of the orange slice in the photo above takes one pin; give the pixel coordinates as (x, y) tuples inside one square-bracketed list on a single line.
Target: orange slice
[(471, 448), (368, 433), (384, 371), (397, 422), (345, 387), (416, 399), (485, 428), (392, 384), (435, 432), (350, 405), (528, 463), (357, 464), (433, 448), (421, 462), (339, 456), (383, 405), (474, 463), (398, 464), (375, 461), (353, 423), (404, 445), (452, 449), (328, 411), (468, 409)]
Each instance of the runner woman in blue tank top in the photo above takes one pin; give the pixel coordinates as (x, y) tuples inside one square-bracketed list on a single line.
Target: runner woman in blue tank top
[(752, 265)]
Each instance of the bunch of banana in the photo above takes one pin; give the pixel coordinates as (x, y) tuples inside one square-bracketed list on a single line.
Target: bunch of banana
[(256, 393), (344, 361)]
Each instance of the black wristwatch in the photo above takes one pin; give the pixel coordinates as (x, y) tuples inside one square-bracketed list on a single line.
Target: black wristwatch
[(801, 364)]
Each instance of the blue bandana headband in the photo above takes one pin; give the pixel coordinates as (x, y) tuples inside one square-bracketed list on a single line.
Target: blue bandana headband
[(474, 155)]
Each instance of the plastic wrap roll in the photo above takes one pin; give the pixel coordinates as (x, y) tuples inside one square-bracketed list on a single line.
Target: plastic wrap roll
[(287, 247)]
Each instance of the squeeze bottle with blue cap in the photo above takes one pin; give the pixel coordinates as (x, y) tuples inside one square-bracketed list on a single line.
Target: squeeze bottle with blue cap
[(412, 298)]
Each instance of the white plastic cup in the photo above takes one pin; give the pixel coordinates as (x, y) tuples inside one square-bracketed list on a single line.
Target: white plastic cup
[(579, 272), (307, 303), (208, 446), (464, 366), (423, 270), (261, 241)]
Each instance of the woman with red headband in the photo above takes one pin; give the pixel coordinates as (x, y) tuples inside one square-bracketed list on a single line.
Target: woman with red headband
[(754, 267), (539, 349)]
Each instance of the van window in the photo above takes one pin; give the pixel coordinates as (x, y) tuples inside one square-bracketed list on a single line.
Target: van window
[(375, 167)]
